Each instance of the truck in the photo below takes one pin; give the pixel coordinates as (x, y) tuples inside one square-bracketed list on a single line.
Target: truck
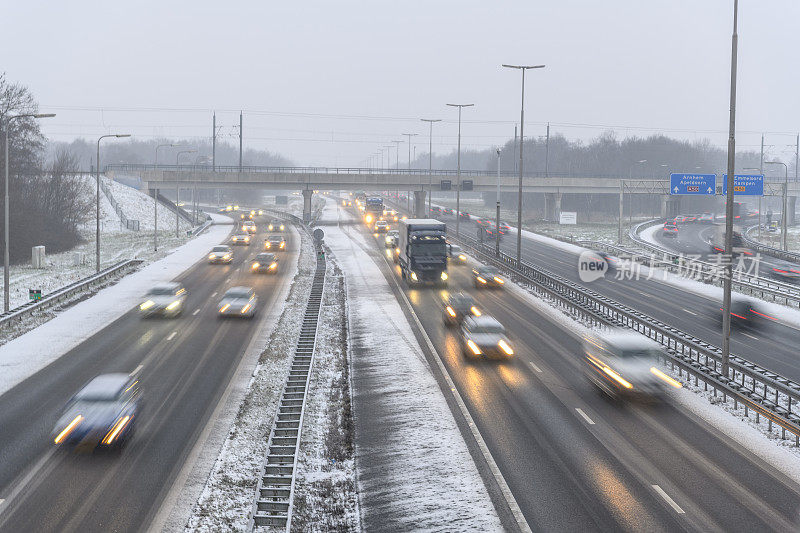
[(738, 245), (373, 209), (422, 252)]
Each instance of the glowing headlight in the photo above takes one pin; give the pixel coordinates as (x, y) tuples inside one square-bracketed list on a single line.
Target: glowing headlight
[(246, 308), (462, 257), (281, 227), (498, 280), (273, 266), (67, 430), (247, 239), (211, 256), (475, 311), (283, 244), (224, 308), (473, 347), (444, 276), (451, 312), (147, 305), (414, 276), (267, 244), (173, 305), (505, 347), (255, 265), (481, 279), (226, 256), (368, 219), (270, 227), (675, 383)]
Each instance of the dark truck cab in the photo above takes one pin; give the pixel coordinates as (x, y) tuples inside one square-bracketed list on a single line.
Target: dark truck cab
[(423, 251)]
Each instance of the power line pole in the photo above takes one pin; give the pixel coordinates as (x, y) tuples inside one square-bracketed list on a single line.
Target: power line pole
[(458, 168), (515, 149), (240, 141), (761, 171), (430, 122), (214, 143), (547, 152)]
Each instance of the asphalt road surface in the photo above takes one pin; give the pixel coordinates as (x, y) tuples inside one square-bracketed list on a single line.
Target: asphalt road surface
[(184, 365)]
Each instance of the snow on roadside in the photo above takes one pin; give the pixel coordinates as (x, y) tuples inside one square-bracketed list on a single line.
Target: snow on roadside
[(226, 501), (32, 351), (427, 474)]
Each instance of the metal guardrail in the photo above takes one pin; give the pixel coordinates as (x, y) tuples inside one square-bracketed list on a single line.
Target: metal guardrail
[(125, 222), (763, 391), (200, 229), (68, 291), (760, 247)]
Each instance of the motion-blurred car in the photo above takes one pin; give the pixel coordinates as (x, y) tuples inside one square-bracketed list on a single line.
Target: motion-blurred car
[(381, 226), (435, 210), (447, 211), (612, 261), (260, 212), (238, 302), (276, 225), (783, 271), (265, 263), (670, 230), (746, 314), (691, 218), (221, 254), (706, 218), (456, 255), (680, 219), (249, 226), (486, 276), (241, 239), (102, 415), (484, 337), (504, 228), (459, 306), (166, 299), (391, 239), (275, 243), (624, 364), (463, 215)]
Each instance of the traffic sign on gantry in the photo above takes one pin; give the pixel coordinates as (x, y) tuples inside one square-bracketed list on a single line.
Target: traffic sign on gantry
[(703, 184), (744, 184)]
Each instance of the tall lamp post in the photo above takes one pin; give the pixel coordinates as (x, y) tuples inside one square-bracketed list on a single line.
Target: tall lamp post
[(497, 222), (728, 277), (458, 168), (178, 191), (97, 206), (430, 122), (408, 136), (163, 146), (785, 208), (523, 68), (6, 256)]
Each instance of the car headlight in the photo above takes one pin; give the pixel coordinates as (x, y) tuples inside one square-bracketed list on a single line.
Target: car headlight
[(224, 308), (462, 257), (246, 308), (211, 256), (505, 347), (481, 279), (473, 347), (173, 305), (283, 244), (475, 311), (267, 245), (256, 265), (281, 227), (270, 227), (414, 276), (226, 256), (444, 276), (247, 239), (67, 430), (147, 305), (451, 312), (368, 219), (498, 280), (273, 266)]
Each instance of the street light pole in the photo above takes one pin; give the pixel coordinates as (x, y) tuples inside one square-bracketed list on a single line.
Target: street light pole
[(523, 68), (458, 168), (430, 122), (497, 225), (728, 277), (409, 135), (97, 232), (784, 209), (178, 191), (162, 146), (6, 255)]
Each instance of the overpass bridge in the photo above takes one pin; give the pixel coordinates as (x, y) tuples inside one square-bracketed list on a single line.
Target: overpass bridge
[(421, 181)]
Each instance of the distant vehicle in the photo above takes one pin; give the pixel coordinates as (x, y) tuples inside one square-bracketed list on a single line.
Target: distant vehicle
[(252, 214), (276, 225), (260, 212), (221, 254), (381, 226), (504, 228), (738, 245), (784, 271), (275, 243), (624, 364), (670, 230), (249, 226), (483, 222), (612, 261), (680, 219), (447, 211), (423, 251), (435, 210), (691, 218), (102, 415), (166, 299), (373, 209), (392, 238), (456, 255), (459, 306), (484, 337), (463, 215), (238, 302), (486, 277), (706, 218), (746, 314), (391, 214), (265, 263), (487, 233), (241, 239)]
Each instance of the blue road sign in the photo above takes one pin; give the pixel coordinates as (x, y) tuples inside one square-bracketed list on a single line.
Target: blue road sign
[(744, 184), (704, 184)]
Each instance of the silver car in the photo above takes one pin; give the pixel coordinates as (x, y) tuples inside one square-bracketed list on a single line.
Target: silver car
[(483, 337), (238, 302), (166, 299), (221, 254), (101, 415)]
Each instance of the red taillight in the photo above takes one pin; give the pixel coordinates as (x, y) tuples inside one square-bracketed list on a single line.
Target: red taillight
[(782, 271), (762, 314)]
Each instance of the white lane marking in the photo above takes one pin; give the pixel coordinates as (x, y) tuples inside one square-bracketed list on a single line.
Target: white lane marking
[(535, 367), (213, 294), (751, 336), (136, 370), (2, 500), (172, 335), (585, 416), (690, 312), (194, 313), (669, 500)]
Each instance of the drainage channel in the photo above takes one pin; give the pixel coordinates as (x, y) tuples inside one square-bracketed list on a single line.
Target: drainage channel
[(275, 491)]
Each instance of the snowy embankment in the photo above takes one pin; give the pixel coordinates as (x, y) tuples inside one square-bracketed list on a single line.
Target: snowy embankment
[(116, 243), (32, 351), (414, 470)]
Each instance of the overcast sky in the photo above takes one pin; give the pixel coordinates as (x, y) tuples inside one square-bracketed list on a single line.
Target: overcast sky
[(329, 83)]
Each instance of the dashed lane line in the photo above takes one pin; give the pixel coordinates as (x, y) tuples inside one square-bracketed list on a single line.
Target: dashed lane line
[(194, 313), (669, 500), (585, 416), (535, 367), (172, 335)]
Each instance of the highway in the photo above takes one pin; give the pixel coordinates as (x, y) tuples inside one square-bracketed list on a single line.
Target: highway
[(578, 462), (183, 364)]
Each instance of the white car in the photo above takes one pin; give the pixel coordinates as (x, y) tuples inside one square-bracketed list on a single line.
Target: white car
[(221, 254), (238, 302), (166, 299), (249, 226)]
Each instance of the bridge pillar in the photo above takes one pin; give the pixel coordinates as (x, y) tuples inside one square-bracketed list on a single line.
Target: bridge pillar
[(420, 209), (552, 206), (670, 206), (307, 194), (791, 204)]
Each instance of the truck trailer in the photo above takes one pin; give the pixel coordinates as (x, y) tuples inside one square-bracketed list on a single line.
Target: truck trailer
[(423, 251)]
